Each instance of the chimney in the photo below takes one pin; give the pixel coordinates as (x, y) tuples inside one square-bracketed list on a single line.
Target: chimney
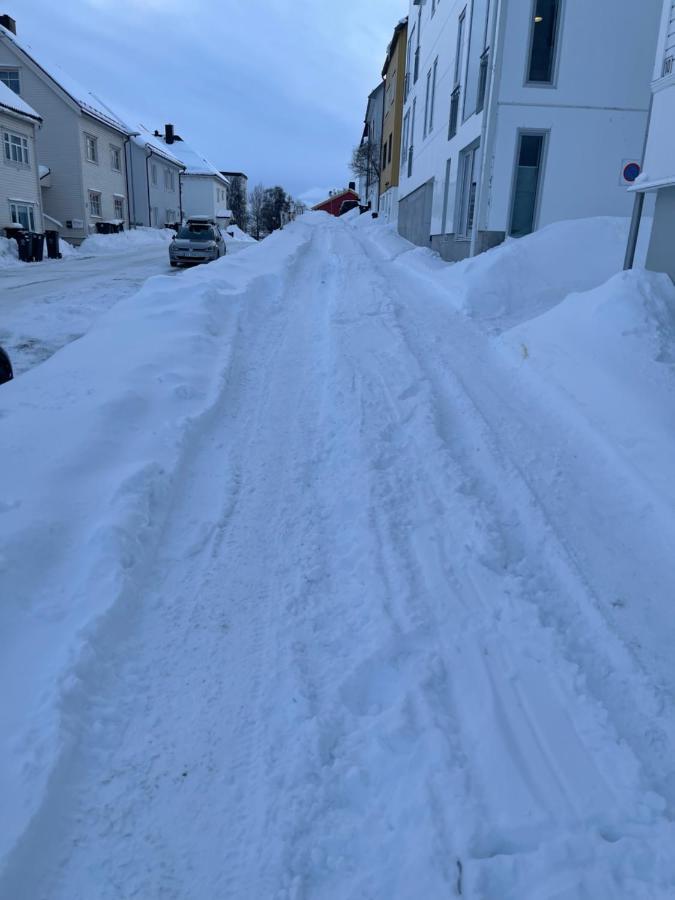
[(168, 134), (8, 23), (352, 185)]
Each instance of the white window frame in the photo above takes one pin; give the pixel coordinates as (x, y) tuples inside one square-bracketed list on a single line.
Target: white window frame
[(115, 154), (405, 144), (15, 206), (11, 71), (99, 200), (91, 143), (432, 103), (16, 150), (153, 174), (119, 214)]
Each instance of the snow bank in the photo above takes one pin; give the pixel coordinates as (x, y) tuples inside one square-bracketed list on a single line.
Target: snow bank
[(93, 441), (520, 278), (100, 244), (610, 354), (234, 233), (9, 254)]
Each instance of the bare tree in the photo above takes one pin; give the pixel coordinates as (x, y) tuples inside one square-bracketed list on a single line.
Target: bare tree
[(257, 203), (365, 162)]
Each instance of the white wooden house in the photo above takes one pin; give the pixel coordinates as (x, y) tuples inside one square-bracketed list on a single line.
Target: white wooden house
[(81, 142), (20, 201), (155, 180), (203, 186)]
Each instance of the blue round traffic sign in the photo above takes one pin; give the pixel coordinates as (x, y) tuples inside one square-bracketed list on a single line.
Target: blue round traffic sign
[(631, 172)]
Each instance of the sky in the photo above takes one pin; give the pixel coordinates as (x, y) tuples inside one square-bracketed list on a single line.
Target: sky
[(273, 88)]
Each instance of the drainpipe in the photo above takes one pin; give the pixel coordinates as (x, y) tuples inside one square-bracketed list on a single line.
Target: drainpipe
[(147, 181), (488, 113), (130, 192), (180, 195), (638, 203)]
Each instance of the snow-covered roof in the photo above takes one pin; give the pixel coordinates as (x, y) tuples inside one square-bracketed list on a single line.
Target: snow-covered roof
[(44, 171), (145, 138), (88, 102), (10, 100), (195, 163)]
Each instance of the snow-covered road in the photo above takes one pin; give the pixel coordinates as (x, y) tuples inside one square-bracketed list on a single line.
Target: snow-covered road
[(45, 306), (388, 645)]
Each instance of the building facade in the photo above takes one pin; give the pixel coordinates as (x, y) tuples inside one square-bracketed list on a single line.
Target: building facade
[(394, 77), (333, 203), (519, 114), (20, 199), (371, 147), (155, 178), (658, 176), (203, 186), (81, 142)]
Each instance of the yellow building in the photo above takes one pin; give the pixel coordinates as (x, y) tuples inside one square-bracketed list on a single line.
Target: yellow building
[(394, 76)]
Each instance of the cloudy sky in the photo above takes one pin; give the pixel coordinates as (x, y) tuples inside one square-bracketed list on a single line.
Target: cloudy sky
[(275, 88)]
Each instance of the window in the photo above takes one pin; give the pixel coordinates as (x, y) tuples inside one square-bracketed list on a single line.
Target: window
[(91, 148), (411, 150), (460, 46), (154, 216), (390, 147), (10, 77), (468, 186), (482, 81), (446, 197), (544, 39), (454, 113), (169, 182), (406, 138), (527, 180), (16, 148), (95, 204), (115, 158), (426, 104), (384, 157), (171, 217), (153, 173), (23, 213), (119, 207), (433, 95)]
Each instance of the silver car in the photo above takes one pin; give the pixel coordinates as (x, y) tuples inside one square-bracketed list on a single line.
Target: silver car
[(198, 241)]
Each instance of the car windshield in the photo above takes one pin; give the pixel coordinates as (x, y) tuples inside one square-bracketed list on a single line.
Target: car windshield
[(197, 234)]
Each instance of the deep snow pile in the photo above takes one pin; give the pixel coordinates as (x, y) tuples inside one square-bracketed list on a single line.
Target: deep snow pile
[(100, 244), (520, 278), (235, 233), (9, 254), (91, 441)]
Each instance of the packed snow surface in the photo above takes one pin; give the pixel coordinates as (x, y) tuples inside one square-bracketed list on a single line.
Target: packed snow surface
[(320, 580)]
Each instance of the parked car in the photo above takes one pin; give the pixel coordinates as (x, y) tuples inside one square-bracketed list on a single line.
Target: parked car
[(199, 240), (6, 373)]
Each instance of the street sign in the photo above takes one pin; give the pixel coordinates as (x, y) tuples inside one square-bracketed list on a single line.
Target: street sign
[(630, 171)]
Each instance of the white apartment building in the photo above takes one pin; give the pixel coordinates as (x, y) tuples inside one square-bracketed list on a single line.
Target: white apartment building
[(658, 176), (520, 113)]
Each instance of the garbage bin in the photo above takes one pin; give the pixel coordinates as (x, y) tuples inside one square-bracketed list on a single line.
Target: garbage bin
[(25, 246), (38, 242), (52, 244)]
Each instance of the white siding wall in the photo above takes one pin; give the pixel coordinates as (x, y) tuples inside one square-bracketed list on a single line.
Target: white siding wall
[(101, 177), (163, 199), (200, 196), (57, 142), (18, 181), (431, 153), (595, 111)]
